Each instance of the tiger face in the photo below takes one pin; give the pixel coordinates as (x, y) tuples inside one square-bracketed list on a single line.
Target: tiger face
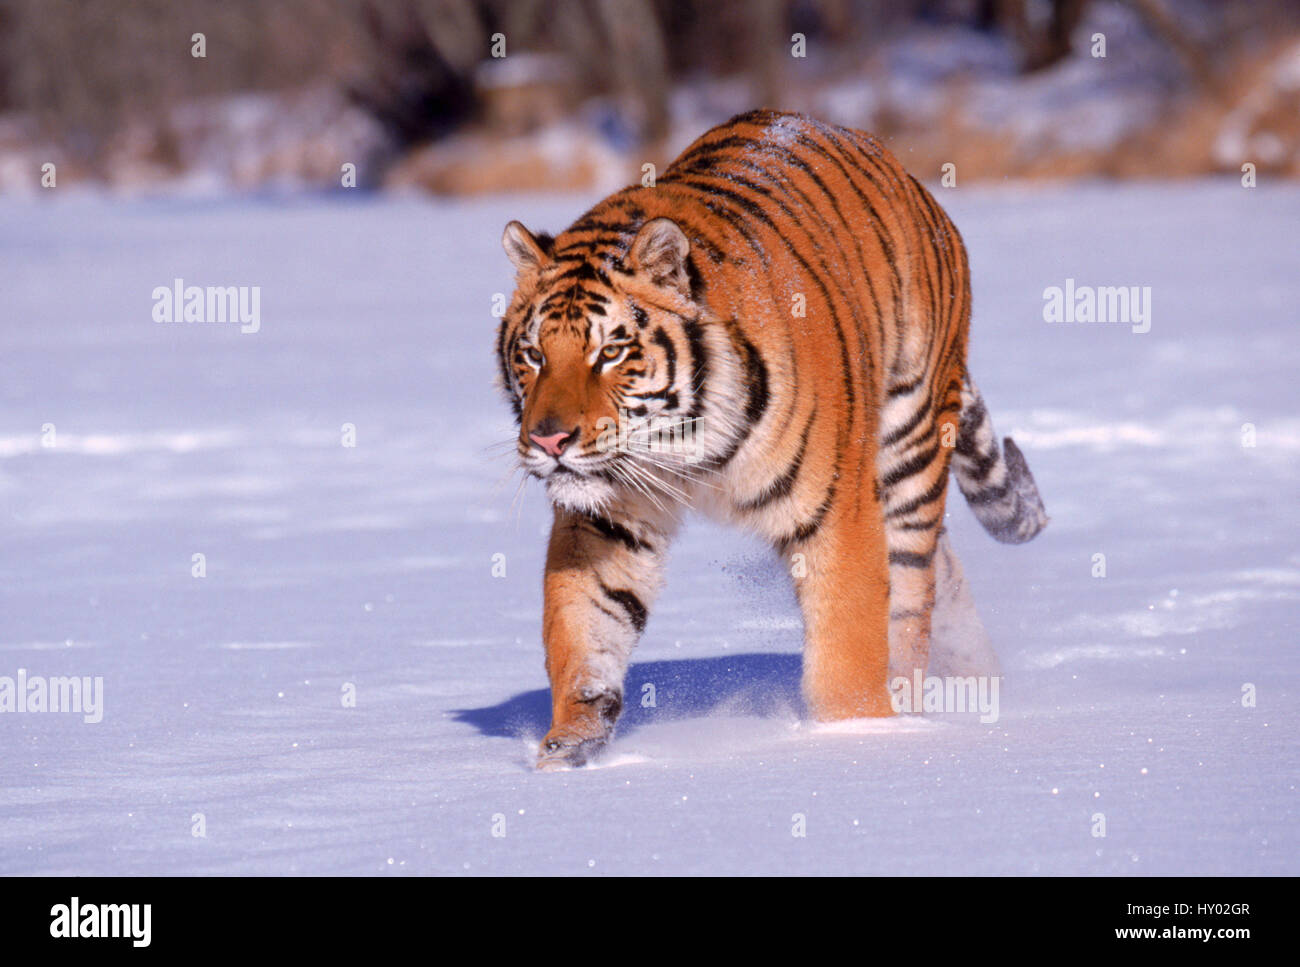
[(600, 357)]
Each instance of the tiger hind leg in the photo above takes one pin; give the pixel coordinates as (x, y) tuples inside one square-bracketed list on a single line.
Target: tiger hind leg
[(913, 470), (959, 645)]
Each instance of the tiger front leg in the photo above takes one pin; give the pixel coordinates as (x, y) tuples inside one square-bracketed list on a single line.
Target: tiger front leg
[(843, 589), (589, 630), (602, 574)]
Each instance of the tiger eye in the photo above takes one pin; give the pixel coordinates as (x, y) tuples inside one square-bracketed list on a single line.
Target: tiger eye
[(610, 352)]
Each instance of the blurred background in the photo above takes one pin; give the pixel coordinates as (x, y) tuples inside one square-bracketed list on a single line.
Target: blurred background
[(474, 96)]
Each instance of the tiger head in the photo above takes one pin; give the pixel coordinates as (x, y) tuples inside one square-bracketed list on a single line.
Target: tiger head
[(604, 356)]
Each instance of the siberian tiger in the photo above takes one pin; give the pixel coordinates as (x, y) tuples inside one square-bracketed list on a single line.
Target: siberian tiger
[(792, 307)]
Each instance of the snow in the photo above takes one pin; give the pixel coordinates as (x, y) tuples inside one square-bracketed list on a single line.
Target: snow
[(331, 568)]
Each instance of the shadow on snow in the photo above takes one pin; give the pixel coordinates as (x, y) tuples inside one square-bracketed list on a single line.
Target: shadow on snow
[(750, 684)]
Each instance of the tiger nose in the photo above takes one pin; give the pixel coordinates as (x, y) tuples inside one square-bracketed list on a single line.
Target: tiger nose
[(553, 441)]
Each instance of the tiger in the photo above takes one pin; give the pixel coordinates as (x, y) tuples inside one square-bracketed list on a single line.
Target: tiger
[(772, 334)]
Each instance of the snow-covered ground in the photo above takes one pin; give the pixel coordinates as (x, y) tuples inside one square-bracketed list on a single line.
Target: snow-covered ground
[(368, 570)]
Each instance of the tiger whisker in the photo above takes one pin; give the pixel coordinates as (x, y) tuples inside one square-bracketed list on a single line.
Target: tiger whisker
[(668, 489), (623, 472)]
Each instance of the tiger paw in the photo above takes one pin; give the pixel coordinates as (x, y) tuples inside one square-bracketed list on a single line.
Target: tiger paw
[(557, 753), (581, 738)]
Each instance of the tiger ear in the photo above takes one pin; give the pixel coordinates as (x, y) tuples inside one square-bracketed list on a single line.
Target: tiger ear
[(523, 248), (660, 251)]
